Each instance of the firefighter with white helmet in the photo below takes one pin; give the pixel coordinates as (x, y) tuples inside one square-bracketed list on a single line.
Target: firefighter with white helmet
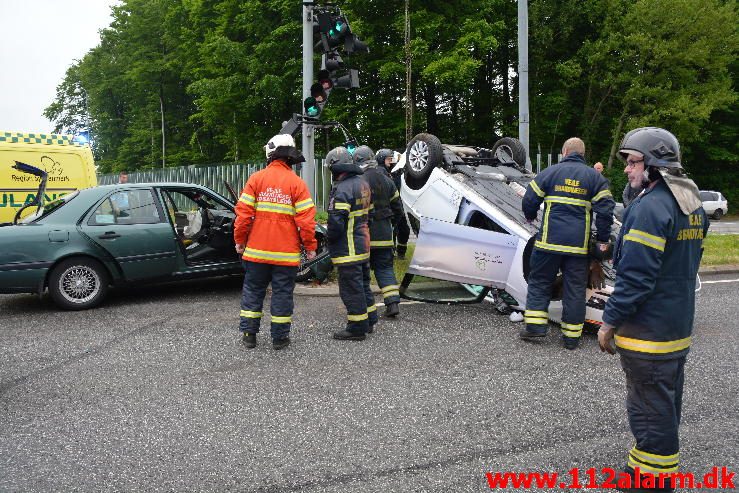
[(275, 217)]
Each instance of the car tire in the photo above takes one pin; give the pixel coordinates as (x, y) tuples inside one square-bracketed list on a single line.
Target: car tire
[(509, 149), (718, 214), (305, 273), (422, 155), (78, 283)]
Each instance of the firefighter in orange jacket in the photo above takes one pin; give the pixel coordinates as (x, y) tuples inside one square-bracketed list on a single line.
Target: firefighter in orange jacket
[(275, 215)]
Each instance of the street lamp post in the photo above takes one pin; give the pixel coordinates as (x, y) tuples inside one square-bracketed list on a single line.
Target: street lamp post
[(523, 77)]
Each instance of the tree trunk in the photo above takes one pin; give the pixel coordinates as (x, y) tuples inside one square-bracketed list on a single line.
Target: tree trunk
[(236, 139), (164, 142), (429, 96), (408, 76), (504, 65), (617, 135)]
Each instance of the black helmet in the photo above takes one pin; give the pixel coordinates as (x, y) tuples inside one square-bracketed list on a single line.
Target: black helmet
[(338, 155), (364, 156), (659, 147), (383, 154)]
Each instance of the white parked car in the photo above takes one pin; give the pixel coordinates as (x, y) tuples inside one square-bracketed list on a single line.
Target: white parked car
[(714, 203), (464, 203)]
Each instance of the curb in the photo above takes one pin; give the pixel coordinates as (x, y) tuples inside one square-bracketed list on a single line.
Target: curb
[(332, 289), (719, 269), (325, 291)]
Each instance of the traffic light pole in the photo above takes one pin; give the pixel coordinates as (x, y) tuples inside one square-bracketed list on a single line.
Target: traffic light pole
[(309, 167)]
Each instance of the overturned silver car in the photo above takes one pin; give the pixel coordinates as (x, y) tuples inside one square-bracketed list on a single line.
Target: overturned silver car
[(464, 204)]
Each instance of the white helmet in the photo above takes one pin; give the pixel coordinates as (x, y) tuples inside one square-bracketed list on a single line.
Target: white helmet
[(279, 140)]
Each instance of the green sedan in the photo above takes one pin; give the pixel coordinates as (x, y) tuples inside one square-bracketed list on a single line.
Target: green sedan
[(80, 245)]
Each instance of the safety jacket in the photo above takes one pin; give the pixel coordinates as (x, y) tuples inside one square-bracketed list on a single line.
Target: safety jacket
[(569, 190), (385, 209), (274, 216), (656, 258), (349, 204)]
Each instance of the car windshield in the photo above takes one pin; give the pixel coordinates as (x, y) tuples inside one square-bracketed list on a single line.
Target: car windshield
[(48, 208)]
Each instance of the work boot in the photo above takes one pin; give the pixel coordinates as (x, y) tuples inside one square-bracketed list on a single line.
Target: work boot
[(371, 329), (392, 310), (249, 340), (278, 344), (527, 335), (345, 335), (570, 343)]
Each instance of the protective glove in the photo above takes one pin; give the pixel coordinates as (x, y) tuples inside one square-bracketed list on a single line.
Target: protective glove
[(596, 276), (605, 339)]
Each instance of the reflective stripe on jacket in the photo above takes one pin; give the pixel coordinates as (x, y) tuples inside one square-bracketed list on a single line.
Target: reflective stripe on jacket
[(385, 209), (274, 216), (570, 190), (657, 257), (347, 233)]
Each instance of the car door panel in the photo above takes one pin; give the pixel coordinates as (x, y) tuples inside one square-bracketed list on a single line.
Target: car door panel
[(463, 254), (135, 236)]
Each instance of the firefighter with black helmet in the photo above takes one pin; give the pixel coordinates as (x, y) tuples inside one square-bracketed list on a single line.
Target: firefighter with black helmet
[(650, 313), (386, 159), (348, 242), (385, 210), (570, 190), (275, 216)]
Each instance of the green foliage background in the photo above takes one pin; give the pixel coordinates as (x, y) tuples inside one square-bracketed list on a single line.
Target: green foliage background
[(220, 77)]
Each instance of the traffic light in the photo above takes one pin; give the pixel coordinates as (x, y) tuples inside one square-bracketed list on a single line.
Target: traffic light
[(350, 80), (351, 146), (334, 31)]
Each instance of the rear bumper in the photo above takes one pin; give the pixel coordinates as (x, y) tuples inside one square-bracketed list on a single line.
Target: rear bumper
[(23, 278)]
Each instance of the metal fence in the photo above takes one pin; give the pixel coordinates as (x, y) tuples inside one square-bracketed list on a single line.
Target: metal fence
[(215, 175)]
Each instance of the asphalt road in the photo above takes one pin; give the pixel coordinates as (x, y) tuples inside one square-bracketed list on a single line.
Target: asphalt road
[(724, 226), (152, 392)]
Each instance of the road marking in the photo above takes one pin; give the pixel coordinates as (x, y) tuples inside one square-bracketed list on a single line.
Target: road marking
[(716, 282), (382, 303)]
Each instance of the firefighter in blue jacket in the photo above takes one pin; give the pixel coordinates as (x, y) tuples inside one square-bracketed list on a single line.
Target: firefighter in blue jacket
[(569, 191), (650, 313), (385, 210), (348, 243), (386, 160)]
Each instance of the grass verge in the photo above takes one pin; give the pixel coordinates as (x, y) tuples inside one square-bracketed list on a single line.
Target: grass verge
[(720, 250)]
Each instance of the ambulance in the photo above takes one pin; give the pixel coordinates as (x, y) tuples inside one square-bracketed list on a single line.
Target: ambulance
[(67, 161)]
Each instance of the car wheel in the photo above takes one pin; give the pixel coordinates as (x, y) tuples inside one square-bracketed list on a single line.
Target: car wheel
[(78, 283), (305, 273), (718, 213), (509, 149), (423, 154)]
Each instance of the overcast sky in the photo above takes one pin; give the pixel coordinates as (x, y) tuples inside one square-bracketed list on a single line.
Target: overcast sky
[(40, 39)]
